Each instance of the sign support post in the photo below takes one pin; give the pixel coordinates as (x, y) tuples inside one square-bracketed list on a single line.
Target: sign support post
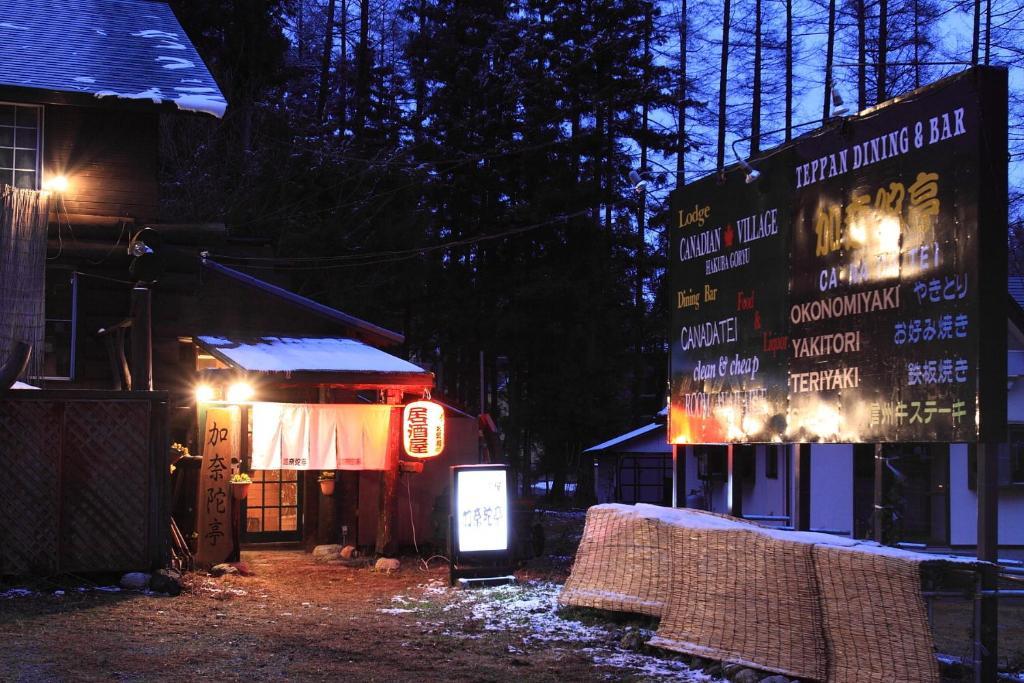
[(879, 512), (986, 606)]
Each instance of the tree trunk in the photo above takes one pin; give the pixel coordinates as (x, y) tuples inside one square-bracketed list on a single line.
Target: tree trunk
[(755, 114), (682, 90), (343, 69), (789, 70), (988, 30), (325, 63), (722, 81), (883, 48), (826, 105), (362, 67), (976, 35), (917, 45), (862, 56)]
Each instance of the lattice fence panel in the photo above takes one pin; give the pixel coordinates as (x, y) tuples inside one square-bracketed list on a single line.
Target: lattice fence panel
[(30, 449), (106, 485)]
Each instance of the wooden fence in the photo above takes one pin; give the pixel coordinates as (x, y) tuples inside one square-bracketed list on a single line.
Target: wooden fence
[(84, 478)]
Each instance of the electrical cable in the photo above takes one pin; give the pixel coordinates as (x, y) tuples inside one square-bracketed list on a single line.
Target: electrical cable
[(412, 521)]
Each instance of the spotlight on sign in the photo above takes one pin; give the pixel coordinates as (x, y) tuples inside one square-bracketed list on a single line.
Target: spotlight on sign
[(240, 392), (423, 429)]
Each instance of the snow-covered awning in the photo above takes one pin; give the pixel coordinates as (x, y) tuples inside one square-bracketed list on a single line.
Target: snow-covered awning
[(130, 49), (330, 360)]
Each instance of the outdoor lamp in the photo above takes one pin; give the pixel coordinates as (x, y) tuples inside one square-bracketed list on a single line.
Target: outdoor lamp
[(205, 393), (838, 108), (240, 392), (752, 173), (423, 429), (57, 183)]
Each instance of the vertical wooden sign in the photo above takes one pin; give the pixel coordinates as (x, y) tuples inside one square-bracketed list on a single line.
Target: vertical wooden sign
[(220, 447)]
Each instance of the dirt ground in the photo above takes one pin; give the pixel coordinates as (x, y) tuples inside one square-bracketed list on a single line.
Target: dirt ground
[(296, 619)]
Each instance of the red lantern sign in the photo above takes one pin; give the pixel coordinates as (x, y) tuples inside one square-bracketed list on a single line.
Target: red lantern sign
[(424, 429)]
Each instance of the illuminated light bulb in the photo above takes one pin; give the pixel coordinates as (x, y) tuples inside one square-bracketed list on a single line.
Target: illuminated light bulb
[(57, 183), (240, 392), (205, 393)]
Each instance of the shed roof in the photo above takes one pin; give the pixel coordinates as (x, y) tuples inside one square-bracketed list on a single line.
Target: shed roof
[(319, 359), (623, 439), (131, 49)]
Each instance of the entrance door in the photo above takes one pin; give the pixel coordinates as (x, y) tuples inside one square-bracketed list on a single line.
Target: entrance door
[(273, 508)]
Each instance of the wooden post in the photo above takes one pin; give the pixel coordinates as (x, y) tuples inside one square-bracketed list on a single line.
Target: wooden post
[(678, 476), (802, 487), (386, 544), (880, 513), (986, 608), (142, 340)]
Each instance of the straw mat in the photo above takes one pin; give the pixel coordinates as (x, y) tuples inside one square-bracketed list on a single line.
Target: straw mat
[(876, 622), (622, 563), (740, 595)]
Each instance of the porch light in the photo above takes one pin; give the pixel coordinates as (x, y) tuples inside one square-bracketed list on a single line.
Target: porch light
[(56, 183), (423, 429), (205, 393), (240, 392)]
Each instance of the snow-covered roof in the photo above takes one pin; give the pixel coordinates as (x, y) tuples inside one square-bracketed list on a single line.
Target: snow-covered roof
[(304, 354), (132, 49), (622, 438)]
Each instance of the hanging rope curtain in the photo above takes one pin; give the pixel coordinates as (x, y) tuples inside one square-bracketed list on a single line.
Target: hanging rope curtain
[(23, 221)]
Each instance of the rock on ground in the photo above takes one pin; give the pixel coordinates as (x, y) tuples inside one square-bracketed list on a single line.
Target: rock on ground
[(135, 580), (386, 564)]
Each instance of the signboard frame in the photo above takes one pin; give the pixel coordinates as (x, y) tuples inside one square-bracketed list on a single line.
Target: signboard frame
[(747, 258), (478, 563)]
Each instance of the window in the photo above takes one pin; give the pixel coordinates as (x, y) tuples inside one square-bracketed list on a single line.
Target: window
[(61, 302), (19, 145)]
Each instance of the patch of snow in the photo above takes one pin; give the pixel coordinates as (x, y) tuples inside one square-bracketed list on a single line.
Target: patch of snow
[(191, 80), (84, 79), (170, 46), (100, 31), (108, 589), (531, 609), (202, 104), (22, 385), (194, 89), (7, 24), (649, 666), (176, 63), (395, 610), (153, 33), (16, 593), (292, 354)]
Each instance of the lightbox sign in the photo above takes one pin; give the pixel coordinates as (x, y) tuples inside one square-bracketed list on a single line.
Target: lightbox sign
[(856, 292), (481, 508)]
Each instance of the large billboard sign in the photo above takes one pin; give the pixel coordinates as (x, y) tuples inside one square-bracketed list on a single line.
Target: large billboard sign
[(856, 291)]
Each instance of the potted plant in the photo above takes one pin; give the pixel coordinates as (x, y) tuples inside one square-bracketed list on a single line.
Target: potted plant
[(326, 480), (240, 484)]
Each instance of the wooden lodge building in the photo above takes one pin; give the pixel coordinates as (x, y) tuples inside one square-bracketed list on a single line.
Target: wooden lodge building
[(82, 93)]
